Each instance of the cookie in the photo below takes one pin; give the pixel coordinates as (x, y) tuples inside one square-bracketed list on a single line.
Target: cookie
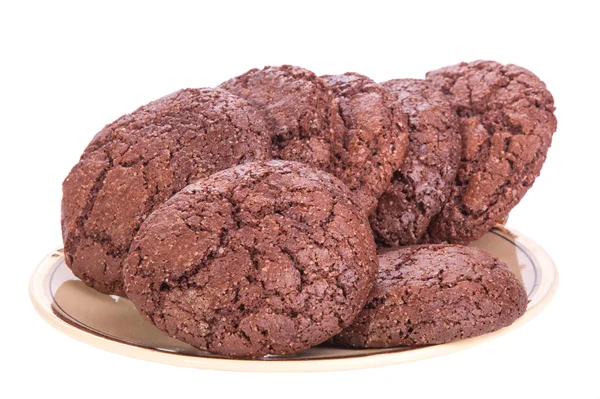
[(422, 184), (300, 110), (139, 161), (432, 294), (507, 122), (375, 136), (263, 258)]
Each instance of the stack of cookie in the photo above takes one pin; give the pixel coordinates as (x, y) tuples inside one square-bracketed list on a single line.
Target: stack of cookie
[(245, 219)]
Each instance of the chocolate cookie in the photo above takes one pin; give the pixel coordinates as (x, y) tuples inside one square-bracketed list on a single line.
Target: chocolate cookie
[(375, 137), (300, 110), (432, 294), (264, 258), (507, 122), (422, 184), (139, 161)]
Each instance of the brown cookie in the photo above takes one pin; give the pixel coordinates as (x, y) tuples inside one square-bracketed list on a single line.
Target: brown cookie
[(300, 110), (139, 161), (264, 258), (432, 294), (375, 137), (507, 122), (422, 184)]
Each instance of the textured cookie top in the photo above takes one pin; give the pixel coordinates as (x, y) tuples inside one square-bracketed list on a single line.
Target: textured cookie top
[(375, 138), (300, 110), (142, 159), (421, 185), (507, 122), (263, 258), (431, 294)]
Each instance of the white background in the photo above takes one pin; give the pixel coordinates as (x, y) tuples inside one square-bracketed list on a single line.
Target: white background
[(68, 69)]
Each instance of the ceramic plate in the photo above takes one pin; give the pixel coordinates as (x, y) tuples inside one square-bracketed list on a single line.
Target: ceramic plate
[(112, 323)]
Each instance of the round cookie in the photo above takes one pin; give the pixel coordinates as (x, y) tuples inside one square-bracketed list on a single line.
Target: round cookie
[(263, 258), (375, 139), (139, 161), (300, 110), (507, 122), (432, 294), (422, 184)]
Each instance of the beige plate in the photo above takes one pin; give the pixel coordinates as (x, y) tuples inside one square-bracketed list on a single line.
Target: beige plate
[(112, 323)]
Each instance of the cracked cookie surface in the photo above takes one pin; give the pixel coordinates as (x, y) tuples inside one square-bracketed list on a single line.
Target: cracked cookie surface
[(139, 161), (263, 258), (436, 293), (300, 110), (506, 123), (375, 137), (420, 187)]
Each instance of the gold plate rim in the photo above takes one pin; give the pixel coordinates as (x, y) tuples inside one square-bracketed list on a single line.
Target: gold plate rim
[(541, 298)]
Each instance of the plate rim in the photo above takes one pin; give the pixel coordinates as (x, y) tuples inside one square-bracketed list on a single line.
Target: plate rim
[(42, 305)]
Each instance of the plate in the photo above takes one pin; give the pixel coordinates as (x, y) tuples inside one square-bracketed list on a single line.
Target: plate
[(113, 324)]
